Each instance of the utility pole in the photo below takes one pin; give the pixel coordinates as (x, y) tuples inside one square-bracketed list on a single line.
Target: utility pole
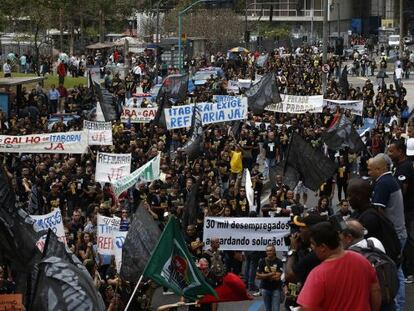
[(339, 18), (313, 13), (401, 28), (325, 44)]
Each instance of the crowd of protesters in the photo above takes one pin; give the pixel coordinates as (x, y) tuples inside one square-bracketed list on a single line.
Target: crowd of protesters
[(68, 181)]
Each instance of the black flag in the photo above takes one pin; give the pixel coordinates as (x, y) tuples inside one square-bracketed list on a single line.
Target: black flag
[(343, 82), (159, 119), (174, 87), (110, 108), (342, 134), (142, 237), (263, 93), (307, 163), (191, 206), (193, 146)]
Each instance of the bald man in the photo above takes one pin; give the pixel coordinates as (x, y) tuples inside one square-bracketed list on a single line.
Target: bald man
[(387, 194), (354, 235)]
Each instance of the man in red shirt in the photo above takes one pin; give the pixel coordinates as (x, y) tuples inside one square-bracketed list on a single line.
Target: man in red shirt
[(344, 281)]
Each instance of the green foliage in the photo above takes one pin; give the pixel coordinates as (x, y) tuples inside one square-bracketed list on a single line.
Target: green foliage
[(268, 30)]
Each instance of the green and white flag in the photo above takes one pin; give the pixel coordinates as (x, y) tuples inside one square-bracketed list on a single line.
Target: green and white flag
[(172, 266), (148, 172)]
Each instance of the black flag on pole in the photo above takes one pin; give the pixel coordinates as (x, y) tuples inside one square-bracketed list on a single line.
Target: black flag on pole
[(307, 163), (193, 146), (342, 134), (263, 93), (141, 240), (174, 87), (343, 82)]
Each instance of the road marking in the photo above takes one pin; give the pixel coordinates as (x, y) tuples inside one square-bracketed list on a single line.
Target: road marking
[(256, 306)]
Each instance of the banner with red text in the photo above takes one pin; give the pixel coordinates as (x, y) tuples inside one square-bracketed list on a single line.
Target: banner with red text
[(104, 238), (138, 115), (64, 142), (112, 166), (99, 133)]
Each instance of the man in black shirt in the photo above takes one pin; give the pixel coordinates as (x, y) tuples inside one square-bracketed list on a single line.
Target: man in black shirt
[(269, 272), (403, 171), (377, 225)]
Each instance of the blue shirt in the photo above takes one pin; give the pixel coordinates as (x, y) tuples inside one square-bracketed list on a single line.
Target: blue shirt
[(54, 94), (387, 194)]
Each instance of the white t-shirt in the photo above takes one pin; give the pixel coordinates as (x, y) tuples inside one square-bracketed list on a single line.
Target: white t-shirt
[(7, 68), (377, 243), (398, 73)]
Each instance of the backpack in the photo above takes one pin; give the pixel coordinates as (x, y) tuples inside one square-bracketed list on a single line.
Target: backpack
[(217, 266), (385, 268)]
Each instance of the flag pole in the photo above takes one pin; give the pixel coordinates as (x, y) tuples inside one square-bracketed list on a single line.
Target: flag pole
[(133, 293)]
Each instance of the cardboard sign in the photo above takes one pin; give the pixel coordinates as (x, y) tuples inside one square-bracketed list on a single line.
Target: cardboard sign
[(11, 302)]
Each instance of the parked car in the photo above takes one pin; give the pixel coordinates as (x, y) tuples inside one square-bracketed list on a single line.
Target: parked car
[(201, 76)]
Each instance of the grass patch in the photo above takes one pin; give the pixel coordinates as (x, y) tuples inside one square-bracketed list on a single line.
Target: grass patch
[(70, 82)]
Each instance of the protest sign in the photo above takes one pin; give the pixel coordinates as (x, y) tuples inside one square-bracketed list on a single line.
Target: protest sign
[(99, 133), (138, 115), (226, 109), (112, 166), (246, 234), (297, 104), (118, 238), (367, 126), (233, 86), (64, 142), (105, 228), (53, 221), (148, 172), (11, 302), (354, 106)]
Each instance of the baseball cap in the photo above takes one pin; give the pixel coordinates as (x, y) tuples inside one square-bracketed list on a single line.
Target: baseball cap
[(410, 146), (308, 220)]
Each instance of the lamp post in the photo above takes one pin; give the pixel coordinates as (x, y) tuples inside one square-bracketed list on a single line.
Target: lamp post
[(325, 43), (245, 19), (180, 16)]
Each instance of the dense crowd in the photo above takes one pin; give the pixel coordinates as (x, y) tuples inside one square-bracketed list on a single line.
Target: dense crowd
[(68, 181)]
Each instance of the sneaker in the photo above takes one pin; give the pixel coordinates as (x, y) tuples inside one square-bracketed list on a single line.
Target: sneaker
[(257, 294), (167, 293), (409, 279)]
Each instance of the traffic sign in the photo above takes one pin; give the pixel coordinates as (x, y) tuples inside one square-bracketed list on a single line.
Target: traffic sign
[(325, 68)]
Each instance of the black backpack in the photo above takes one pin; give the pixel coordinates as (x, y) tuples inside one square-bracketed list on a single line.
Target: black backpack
[(385, 268)]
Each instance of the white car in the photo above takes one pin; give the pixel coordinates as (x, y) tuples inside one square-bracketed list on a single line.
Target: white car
[(394, 40)]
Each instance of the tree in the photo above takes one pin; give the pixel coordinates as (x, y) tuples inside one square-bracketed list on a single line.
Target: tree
[(204, 23)]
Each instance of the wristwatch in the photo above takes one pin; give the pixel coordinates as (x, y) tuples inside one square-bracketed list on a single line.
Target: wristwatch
[(291, 252)]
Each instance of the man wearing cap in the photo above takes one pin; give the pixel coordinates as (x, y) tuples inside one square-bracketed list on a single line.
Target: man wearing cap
[(301, 260), (403, 171)]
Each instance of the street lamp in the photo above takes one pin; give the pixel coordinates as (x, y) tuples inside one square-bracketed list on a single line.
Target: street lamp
[(180, 14)]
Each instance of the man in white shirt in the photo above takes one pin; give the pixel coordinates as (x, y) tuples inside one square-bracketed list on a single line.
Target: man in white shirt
[(7, 69), (354, 234)]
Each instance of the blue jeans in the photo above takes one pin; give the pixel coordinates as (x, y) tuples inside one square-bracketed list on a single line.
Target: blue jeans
[(271, 299), (268, 164), (250, 271), (400, 297)]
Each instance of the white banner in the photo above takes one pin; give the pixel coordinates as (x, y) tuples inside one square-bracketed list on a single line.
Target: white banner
[(246, 234), (112, 166), (104, 238), (298, 104), (64, 142), (118, 238), (233, 86), (148, 172), (138, 115), (354, 106), (99, 133), (52, 220), (226, 109), (137, 99)]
